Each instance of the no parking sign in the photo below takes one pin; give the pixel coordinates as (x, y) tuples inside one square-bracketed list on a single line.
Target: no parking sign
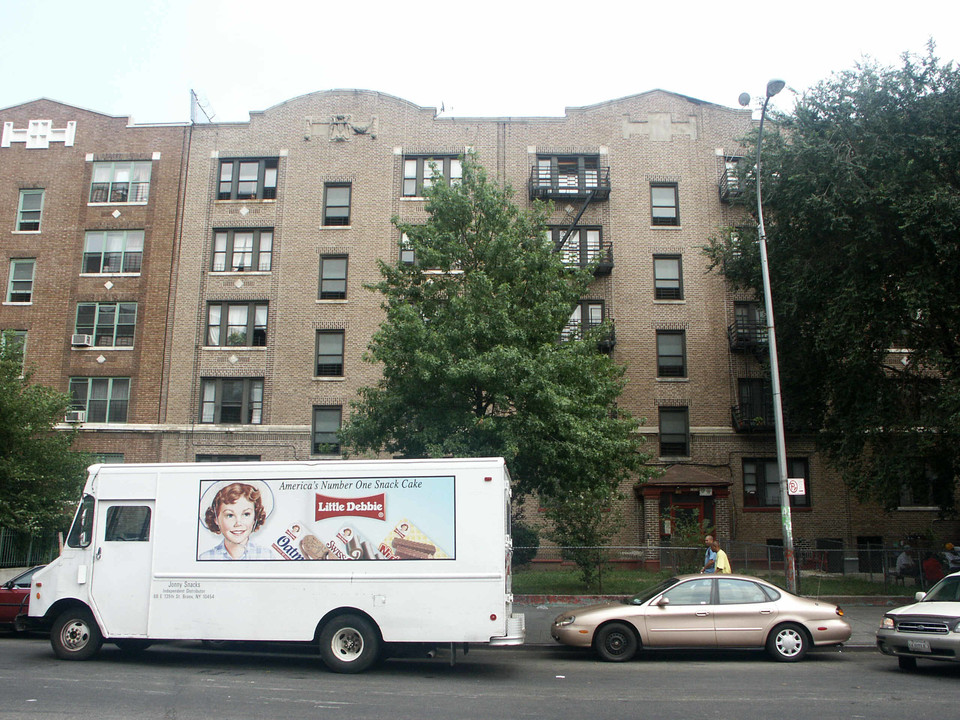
[(796, 486)]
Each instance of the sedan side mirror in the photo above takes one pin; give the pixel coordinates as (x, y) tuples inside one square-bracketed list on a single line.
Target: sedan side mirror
[(662, 601)]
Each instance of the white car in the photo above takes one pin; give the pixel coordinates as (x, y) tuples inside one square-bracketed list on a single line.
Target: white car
[(930, 628)]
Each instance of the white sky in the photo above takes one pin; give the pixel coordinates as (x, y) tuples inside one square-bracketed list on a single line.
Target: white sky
[(484, 58)]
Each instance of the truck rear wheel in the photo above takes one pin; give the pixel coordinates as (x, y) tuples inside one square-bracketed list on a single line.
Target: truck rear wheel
[(75, 635), (349, 644)]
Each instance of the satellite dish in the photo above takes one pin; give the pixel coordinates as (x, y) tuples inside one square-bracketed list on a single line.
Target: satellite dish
[(744, 99)]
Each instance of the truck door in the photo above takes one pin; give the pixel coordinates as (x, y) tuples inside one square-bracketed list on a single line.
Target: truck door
[(122, 565)]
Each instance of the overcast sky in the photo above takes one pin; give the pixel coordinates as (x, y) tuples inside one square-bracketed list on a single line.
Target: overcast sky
[(141, 58)]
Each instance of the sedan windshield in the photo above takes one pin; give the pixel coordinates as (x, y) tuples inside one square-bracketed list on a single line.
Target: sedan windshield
[(650, 592), (947, 590)]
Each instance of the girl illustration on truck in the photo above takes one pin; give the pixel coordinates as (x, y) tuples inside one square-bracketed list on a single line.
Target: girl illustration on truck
[(237, 511)]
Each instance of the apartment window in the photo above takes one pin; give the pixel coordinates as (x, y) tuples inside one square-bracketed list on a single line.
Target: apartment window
[(587, 315), (15, 339), (336, 204), (231, 401), (333, 277), (113, 251), (582, 246), (121, 182), (674, 432), (108, 458), (231, 324), (756, 401), (110, 324), (568, 174), (326, 429), (419, 173), (671, 354), (761, 482), (240, 250), (20, 287), (667, 277), (29, 210), (329, 353), (408, 256), (103, 399), (248, 179), (663, 204)]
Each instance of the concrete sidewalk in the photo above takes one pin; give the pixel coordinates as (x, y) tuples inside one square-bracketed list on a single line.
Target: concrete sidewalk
[(864, 614)]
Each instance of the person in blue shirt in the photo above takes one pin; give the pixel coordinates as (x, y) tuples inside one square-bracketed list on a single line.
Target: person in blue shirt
[(710, 556)]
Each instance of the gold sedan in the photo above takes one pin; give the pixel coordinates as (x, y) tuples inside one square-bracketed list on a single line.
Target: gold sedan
[(708, 612)]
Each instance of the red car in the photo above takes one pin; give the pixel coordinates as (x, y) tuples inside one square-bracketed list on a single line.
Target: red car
[(14, 597)]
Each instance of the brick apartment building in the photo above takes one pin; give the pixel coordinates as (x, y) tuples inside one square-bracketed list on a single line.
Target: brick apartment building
[(88, 223), (254, 315)]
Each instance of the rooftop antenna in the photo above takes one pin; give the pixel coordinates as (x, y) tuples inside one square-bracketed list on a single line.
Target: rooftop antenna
[(196, 104)]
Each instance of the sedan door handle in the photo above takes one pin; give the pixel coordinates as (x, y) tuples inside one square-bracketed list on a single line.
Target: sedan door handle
[(766, 612), (703, 613)]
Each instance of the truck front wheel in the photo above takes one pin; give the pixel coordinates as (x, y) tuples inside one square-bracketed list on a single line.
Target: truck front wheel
[(75, 635), (349, 644)]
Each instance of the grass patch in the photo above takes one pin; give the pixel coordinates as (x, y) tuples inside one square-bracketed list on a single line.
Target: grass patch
[(565, 580)]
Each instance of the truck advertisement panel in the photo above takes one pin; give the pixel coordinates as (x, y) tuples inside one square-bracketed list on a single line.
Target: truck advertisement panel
[(350, 518)]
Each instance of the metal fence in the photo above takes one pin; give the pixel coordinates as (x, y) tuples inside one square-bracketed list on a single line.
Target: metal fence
[(872, 563), (19, 549)]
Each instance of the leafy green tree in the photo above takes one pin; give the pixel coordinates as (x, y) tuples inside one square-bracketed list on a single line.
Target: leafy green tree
[(40, 477), (472, 358), (861, 194)]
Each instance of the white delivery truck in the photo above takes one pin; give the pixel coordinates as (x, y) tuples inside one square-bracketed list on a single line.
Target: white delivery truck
[(349, 554)]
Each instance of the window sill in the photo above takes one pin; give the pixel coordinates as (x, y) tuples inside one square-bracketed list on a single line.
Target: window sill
[(329, 378), (340, 301), (673, 380), (674, 458), (265, 201), (221, 348), (336, 227), (109, 275), (108, 204), (918, 508), (101, 347), (8, 302), (238, 273), (412, 198), (666, 227), (26, 232), (681, 301)]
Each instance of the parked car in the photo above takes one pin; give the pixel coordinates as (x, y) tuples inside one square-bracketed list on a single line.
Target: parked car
[(929, 628), (707, 612), (14, 597)]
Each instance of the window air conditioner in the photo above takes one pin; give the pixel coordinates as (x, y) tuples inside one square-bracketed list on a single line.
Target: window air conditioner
[(81, 340), (75, 416)]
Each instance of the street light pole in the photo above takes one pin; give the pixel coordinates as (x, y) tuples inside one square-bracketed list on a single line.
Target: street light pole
[(789, 566)]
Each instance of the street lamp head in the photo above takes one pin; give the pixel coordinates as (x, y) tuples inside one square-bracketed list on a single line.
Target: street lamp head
[(775, 86)]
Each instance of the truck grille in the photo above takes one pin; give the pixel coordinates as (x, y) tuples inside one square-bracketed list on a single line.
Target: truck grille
[(931, 627)]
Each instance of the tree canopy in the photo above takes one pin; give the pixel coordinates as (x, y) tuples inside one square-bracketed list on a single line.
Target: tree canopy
[(861, 191), (40, 477), (472, 358)]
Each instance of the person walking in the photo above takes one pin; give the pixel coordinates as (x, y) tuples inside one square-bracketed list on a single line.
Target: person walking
[(710, 556), (721, 562)]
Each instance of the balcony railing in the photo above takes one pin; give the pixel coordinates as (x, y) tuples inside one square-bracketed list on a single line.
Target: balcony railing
[(729, 186), (576, 330), (748, 419), (553, 184), (582, 257), (747, 336)]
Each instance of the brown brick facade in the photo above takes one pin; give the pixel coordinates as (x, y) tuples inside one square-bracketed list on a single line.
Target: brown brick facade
[(181, 381)]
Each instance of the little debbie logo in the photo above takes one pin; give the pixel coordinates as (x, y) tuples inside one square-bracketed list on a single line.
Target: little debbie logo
[(373, 506)]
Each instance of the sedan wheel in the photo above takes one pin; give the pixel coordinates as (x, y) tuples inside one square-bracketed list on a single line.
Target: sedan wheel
[(787, 643), (616, 642)]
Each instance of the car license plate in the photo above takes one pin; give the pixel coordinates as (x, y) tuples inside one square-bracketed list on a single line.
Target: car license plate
[(918, 645)]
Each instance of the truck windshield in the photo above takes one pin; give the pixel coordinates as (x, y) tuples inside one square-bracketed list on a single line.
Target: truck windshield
[(947, 590), (81, 532)]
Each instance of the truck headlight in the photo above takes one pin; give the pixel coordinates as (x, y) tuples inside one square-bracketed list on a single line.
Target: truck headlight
[(887, 624)]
